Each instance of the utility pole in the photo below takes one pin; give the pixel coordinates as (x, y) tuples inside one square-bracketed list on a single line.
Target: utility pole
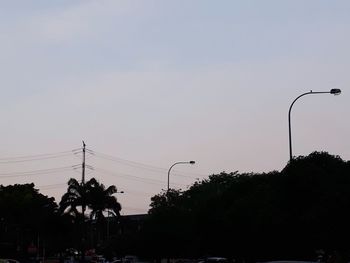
[(83, 205), (83, 165)]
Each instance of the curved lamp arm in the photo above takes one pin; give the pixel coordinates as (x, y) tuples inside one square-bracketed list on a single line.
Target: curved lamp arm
[(332, 91), (190, 162)]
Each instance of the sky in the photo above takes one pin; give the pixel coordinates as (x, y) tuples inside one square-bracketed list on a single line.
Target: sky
[(149, 83)]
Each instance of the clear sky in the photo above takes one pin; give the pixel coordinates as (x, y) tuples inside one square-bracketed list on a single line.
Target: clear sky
[(156, 82)]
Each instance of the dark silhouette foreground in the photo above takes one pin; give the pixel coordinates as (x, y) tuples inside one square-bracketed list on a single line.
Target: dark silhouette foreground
[(290, 214), (298, 213)]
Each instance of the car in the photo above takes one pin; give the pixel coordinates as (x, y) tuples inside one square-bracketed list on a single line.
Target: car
[(130, 259), (7, 260), (216, 260), (289, 261), (98, 259), (213, 260)]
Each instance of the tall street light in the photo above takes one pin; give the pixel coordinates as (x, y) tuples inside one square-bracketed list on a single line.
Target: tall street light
[(189, 162), (332, 91)]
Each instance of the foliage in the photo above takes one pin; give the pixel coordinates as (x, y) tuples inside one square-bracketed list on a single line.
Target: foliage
[(30, 218), (98, 199), (256, 216), (26, 215), (93, 195), (286, 214), (73, 198)]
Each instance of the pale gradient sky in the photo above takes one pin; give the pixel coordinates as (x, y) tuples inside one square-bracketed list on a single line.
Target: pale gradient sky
[(157, 82)]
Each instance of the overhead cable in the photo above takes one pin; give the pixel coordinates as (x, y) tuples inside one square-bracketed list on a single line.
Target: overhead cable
[(37, 172), (137, 164), (132, 177), (37, 157)]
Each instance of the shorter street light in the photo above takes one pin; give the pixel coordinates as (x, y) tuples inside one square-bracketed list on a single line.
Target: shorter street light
[(332, 91), (189, 162)]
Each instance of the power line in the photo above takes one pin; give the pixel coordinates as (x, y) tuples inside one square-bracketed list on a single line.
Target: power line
[(128, 176), (128, 162), (132, 177), (36, 172), (37, 157), (46, 156), (137, 164)]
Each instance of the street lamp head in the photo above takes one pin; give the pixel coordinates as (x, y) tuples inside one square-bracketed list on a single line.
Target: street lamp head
[(192, 162), (335, 91)]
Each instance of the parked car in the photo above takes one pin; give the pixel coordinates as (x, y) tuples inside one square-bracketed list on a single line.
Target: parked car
[(130, 259), (214, 260), (98, 259), (7, 260)]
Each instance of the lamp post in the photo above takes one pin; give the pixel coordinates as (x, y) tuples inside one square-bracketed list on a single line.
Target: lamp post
[(332, 91), (189, 162), (167, 193)]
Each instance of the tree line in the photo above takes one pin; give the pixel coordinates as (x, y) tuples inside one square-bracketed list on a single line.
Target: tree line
[(290, 214), (32, 224), (294, 213)]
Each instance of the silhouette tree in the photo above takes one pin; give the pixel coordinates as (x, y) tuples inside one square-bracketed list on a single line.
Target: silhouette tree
[(93, 195), (74, 197), (257, 216), (25, 216), (100, 199)]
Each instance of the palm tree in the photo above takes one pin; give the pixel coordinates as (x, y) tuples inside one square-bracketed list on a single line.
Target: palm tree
[(101, 199), (93, 195), (74, 197)]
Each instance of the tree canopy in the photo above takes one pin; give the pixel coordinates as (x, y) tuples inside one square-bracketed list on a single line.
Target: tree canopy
[(25, 215), (257, 216), (93, 195)]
